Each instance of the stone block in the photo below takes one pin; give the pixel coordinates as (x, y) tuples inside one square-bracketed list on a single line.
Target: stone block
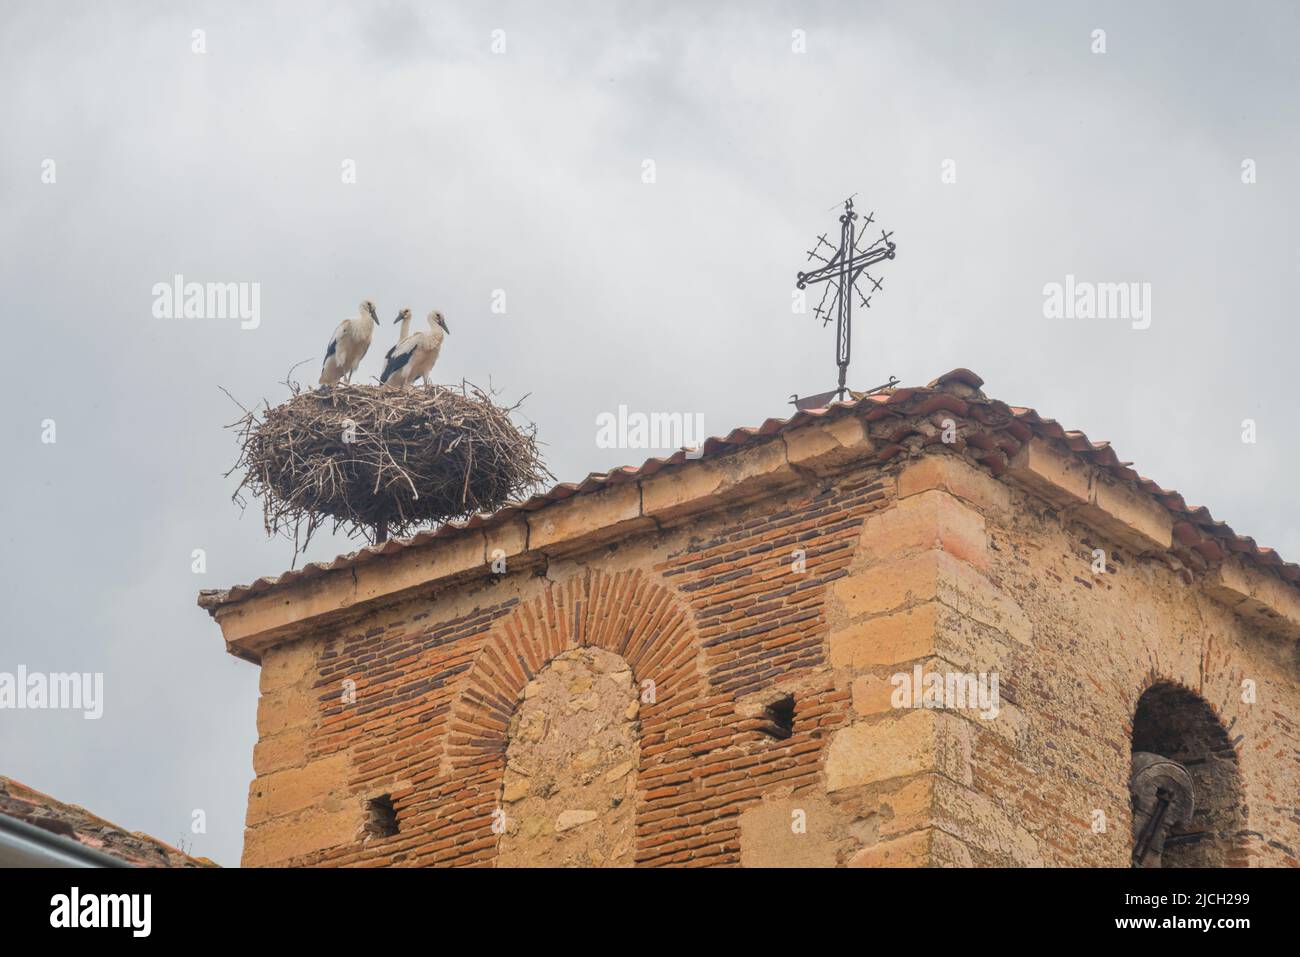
[(825, 447), (287, 749), (889, 639), (928, 847), (956, 476), (291, 663), (1261, 598), (730, 479), (1129, 517), (1057, 476), (296, 789), (290, 707), (932, 519), (769, 836), (510, 538), (587, 519), (908, 805), (931, 576), (283, 839), (981, 823), (905, 743)]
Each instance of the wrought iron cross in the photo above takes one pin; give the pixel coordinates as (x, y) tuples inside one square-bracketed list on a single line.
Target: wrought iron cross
[(840, 272)]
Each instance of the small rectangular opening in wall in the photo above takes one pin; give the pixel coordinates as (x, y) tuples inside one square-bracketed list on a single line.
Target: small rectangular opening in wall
[(778, 718), (381, 816)]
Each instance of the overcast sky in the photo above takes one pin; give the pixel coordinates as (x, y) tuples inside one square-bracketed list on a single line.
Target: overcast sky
[(523, 171)]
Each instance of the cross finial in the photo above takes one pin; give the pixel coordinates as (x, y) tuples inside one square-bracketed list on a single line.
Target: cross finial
[(840, 274)]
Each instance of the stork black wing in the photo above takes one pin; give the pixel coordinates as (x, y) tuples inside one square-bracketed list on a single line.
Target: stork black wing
[(395, 362), (330, 351)]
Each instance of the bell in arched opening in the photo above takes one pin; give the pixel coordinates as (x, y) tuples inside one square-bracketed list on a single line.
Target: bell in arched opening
[(1163, 799), (1188, 809)]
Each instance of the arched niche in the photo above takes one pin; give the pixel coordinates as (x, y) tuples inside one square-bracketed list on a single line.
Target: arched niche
[(568, 792), (1179, 745)]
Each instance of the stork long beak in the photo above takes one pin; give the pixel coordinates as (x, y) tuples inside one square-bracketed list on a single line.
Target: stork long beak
[(373, 315), (398, 319), (443, 322)]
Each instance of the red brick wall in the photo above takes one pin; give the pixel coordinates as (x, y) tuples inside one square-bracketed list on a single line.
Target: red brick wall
[(925, 560), (716, 614)]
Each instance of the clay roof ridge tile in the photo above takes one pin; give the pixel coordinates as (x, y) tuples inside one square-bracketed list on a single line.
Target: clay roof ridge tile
[(872, 407)]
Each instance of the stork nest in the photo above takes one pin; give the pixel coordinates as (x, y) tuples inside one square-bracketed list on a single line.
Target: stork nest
[(376, 461)]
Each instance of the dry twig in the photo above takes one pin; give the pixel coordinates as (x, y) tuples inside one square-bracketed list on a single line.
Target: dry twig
[(376, 461)]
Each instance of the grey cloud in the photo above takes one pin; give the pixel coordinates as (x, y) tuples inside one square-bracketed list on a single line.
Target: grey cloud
[(522, 172)]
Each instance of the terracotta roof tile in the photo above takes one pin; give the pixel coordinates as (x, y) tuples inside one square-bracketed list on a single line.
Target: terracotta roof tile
[(956, 392), (26, 804)]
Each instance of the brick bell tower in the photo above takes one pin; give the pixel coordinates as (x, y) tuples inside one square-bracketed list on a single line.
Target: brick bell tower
[(921, 627)]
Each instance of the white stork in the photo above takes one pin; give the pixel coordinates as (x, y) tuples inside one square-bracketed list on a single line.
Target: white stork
[(404, 317), (414, 356), (348, 346)]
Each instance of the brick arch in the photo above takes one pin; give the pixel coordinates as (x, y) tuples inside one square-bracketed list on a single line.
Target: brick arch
[(628, 612)]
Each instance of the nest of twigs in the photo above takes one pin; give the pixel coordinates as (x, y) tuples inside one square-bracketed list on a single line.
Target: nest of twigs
[(379, 462)]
